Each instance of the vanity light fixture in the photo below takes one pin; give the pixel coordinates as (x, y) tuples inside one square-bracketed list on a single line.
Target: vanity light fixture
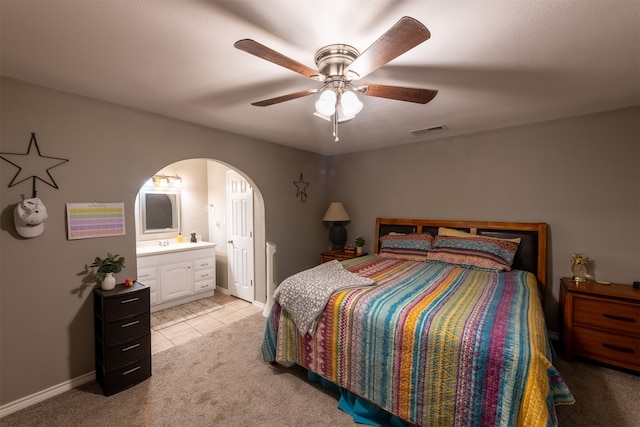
[(166, 181)]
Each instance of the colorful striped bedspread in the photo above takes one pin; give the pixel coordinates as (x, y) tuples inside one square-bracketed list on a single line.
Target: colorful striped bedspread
[(433, 343)]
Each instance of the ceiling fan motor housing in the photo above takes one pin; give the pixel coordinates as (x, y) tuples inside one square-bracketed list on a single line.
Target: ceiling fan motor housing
[(333, 60)]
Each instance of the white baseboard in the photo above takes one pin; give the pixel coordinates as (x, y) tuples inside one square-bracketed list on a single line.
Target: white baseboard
[(48, 393)]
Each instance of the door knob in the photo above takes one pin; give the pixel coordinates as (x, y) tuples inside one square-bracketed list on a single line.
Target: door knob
[(230, 241)]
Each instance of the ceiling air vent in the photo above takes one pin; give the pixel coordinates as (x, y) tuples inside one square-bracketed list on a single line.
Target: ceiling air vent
[(432, 129)]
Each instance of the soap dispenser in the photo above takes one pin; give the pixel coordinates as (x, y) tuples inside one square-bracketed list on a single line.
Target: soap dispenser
[(179, 239)]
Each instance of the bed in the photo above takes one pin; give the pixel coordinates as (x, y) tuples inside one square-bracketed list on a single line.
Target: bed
[(447, 328)]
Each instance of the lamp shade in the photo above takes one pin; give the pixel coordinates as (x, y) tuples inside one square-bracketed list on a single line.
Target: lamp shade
[(326, 104), (350, 103), (336, 212)]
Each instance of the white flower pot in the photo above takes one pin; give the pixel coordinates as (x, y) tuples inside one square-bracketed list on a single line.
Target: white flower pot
[(109, 282)]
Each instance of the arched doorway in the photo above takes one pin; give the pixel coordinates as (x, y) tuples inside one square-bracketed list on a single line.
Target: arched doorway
[(203, 210)]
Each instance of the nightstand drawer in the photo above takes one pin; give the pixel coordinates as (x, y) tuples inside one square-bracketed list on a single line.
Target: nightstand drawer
[(607, 346), (125, 330), (125, 377), (126, 305), (616, 316), (125, 354)]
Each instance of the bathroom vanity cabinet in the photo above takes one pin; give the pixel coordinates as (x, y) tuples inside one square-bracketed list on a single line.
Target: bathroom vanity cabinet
[(177, 273)]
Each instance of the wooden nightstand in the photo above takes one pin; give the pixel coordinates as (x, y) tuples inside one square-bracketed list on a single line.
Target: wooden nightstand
[(339, 254), (601, 322)]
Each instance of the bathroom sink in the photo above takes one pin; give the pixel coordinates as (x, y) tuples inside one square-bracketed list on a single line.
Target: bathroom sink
[(171, 247)]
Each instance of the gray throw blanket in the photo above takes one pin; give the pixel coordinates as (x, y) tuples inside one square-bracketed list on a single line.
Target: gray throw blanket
[(304, 295)]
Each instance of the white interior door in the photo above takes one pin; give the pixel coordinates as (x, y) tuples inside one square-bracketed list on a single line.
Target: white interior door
[(240, 236)]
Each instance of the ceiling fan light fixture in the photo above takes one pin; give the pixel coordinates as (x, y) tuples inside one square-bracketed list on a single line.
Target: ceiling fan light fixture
[(350, 104), (322, 116), (340, 116), (326, 104)]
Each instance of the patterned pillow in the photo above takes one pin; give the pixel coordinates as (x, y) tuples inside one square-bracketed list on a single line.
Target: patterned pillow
[(478, 251), (411, 247)]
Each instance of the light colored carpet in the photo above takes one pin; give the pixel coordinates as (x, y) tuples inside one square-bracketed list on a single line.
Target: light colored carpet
[(221, 380), (173, 315)]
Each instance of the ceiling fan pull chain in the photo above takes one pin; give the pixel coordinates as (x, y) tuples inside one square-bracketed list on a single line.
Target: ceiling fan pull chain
[(335, 125)]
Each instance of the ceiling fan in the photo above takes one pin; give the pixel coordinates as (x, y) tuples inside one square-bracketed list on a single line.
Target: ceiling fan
[(339, 65)]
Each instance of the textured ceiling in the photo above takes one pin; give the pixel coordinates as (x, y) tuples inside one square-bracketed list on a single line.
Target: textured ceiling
[(494, 63)]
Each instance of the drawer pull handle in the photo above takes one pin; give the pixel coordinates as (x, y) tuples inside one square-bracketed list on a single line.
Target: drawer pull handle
[(204, 275), (130, 371), (131, 347), (126, 325), (616, 348), (620, 318), (204, 286), (126, 301)]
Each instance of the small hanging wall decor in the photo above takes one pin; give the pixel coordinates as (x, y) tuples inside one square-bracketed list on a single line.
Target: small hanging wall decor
[(34, 166), (302, 188)]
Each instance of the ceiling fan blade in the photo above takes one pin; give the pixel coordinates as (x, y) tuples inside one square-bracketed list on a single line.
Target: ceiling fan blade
[(261, 51), (283, 98), (406, 34), (409, 94)]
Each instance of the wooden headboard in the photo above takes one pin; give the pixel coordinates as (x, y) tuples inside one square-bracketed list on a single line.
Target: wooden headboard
[(532, 251)]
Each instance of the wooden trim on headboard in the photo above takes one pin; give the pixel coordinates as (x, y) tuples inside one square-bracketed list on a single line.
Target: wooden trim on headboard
[(534, 234)]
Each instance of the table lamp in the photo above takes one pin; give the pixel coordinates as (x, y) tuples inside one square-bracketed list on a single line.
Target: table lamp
[(338, 215)]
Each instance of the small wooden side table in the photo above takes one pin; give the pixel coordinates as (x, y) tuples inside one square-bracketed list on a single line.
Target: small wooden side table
[(601, 322), (339, 255)]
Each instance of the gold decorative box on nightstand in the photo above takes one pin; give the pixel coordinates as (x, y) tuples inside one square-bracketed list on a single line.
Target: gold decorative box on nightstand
[(601, 322)]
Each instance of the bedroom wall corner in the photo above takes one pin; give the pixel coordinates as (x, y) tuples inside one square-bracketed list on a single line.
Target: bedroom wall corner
[(580, 175)]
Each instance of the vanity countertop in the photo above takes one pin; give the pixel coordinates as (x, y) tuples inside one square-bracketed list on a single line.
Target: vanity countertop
[(156, 249)]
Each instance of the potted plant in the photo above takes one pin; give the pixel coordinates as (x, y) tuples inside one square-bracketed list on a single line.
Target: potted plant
[(359, 245), (105, 267)]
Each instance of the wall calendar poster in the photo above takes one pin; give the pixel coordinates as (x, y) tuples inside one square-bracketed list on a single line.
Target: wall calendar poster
[(90, 220)]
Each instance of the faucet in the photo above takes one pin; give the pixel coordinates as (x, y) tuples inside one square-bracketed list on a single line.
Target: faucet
[(163, 242)]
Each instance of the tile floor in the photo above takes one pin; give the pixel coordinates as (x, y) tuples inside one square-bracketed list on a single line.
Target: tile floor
[(234, 310)]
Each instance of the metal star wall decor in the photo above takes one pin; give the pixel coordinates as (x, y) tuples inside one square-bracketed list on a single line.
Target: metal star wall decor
[(33, 167), (302, 188)]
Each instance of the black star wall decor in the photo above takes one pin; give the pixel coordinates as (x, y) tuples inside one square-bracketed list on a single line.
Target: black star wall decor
[(302, 188), (34, 166)]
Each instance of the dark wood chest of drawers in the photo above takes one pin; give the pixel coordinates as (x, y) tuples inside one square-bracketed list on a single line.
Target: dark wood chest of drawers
[(601, 322), (122, 337)]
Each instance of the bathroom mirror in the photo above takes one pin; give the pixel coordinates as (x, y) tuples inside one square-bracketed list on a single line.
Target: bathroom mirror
[(159, 211)]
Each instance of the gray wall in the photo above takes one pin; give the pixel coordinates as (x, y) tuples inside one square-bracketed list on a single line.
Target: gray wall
[(46, 322), (579, 175)]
